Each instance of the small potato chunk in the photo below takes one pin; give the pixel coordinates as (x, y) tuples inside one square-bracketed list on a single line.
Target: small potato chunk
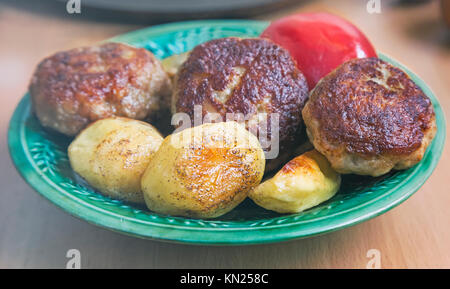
[(112, 154), (302, 183), (203, 172), (173, 63)]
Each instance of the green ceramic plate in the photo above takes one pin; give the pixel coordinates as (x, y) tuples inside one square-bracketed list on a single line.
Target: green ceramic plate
[(41, 158)]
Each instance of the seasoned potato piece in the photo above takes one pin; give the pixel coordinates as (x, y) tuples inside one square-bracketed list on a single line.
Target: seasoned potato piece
[(203, 172), (302, 183), (113, 153), (172, 63)]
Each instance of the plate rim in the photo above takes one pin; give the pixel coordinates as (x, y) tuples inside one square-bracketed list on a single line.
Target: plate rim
[(218, 236)]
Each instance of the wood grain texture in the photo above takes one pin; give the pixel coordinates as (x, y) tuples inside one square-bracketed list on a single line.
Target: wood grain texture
[(35, 233)]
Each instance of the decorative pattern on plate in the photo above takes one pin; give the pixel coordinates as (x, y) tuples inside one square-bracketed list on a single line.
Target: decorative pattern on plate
[(184, 40), (41, 157)]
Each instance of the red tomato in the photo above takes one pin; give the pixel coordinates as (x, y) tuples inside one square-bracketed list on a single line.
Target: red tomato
[(319, 42)]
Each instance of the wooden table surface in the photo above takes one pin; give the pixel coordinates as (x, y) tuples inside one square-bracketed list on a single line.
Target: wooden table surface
[(35, 233)]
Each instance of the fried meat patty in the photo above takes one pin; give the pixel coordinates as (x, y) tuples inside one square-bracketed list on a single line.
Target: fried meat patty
[(368, 117), (246, 76), (72, 88)]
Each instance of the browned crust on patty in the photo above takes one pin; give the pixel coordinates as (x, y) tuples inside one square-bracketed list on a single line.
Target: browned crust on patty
[(259, 76), (370, 107), (73, 88)]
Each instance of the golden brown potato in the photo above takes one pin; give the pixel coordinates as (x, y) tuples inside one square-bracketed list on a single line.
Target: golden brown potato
[(203, 172), (172, 63), (113, 153), (302, 183)]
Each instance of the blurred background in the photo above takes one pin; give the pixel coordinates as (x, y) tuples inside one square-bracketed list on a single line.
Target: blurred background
[(34, 233)]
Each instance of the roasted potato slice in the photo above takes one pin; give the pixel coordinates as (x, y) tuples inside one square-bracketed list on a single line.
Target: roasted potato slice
[(302, 183), (203, 172), (113, 153)]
